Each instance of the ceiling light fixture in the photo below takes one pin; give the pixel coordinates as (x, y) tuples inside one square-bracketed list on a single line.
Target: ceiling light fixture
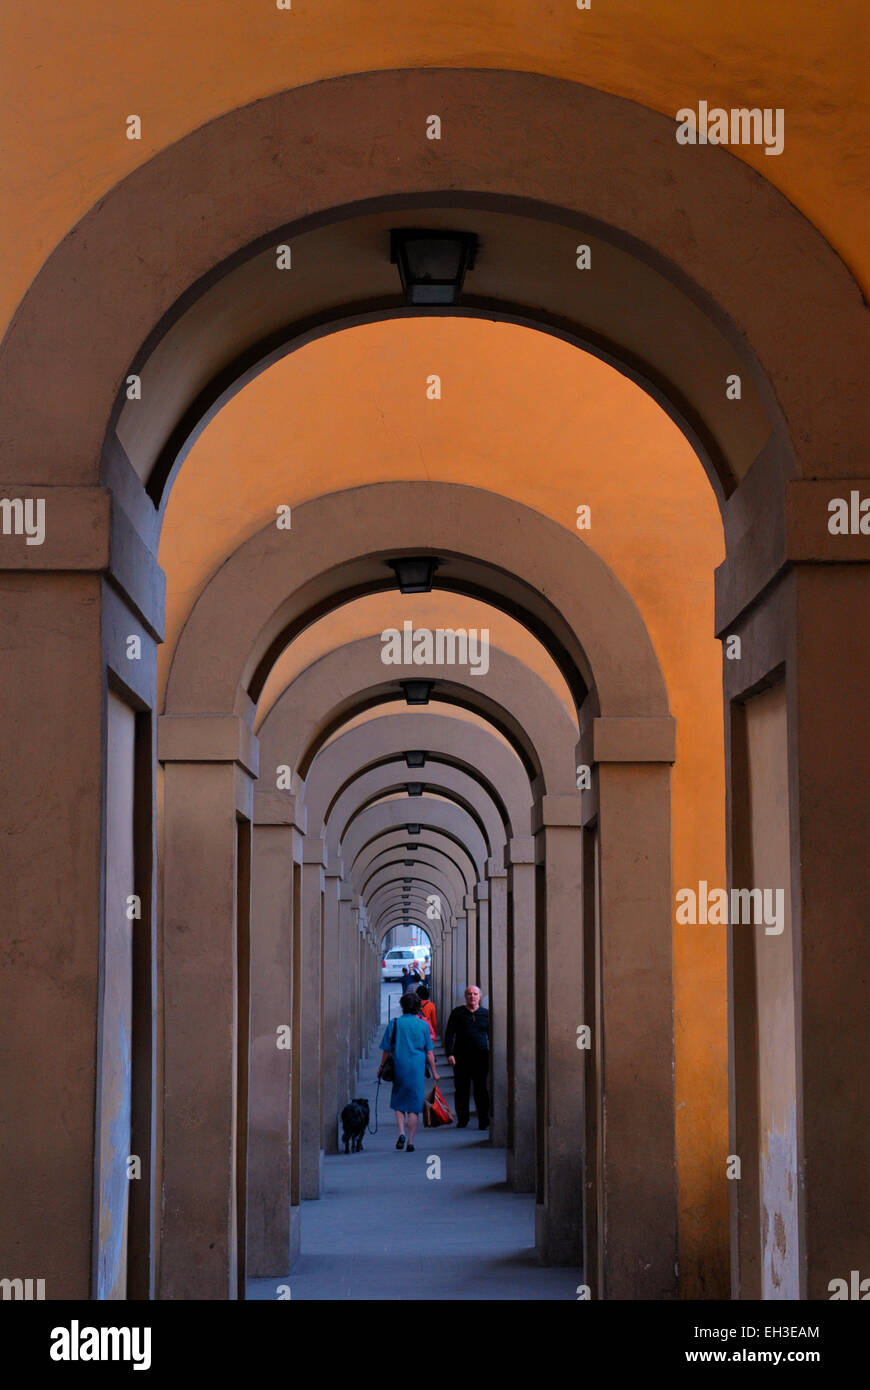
[(417, 692), (432, 264), (415, 573)]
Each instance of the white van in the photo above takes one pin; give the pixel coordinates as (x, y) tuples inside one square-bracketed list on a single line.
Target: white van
[(393, 961)]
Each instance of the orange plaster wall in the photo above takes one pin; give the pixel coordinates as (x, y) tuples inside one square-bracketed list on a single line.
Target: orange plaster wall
[(533, 418), (71, 74)]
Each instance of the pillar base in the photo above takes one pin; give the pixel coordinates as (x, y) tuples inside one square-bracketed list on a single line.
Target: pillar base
[(312, 1179), (295, 1235), (274, 1263), (520, 1174), (555, 1242)]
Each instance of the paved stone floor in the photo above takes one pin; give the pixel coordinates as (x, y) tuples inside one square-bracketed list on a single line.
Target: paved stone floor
[(383, 1230)]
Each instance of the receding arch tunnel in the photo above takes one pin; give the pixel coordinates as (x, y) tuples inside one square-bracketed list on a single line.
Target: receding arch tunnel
[(243, 764)]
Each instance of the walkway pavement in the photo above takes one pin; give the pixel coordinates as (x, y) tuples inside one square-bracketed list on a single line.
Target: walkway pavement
[(382, 1229)]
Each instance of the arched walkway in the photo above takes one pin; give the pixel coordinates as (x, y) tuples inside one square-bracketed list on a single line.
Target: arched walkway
[(583, 624), (792, 592)]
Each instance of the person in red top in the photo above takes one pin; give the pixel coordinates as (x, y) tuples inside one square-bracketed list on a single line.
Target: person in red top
[(428, 1010)]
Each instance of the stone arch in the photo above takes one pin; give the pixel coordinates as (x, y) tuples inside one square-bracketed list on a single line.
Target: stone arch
[(451, 785), (457, 826), (441, 738), (547, 578), (492, 547), (264, 182), (531, 715), (449, 818), (394, 914), (382, 932), (430, 833), (387, 909), (430, 864), (382, 891), (285, 732), (429, 840)]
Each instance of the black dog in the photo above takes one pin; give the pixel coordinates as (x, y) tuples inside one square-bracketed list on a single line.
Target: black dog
[(354, 1118)]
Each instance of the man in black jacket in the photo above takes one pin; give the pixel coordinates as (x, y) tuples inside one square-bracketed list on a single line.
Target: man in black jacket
[(466, 1042)]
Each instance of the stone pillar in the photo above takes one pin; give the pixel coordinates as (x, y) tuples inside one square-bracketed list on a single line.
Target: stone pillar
[(372, 987), (471, 962), (481, 905), (52, 834), (330, 1006), (520, 856), (481, 937), (460, 959), (359, 1046), (444, 975), (64, 628), (633, 1032), (313, 864), (799, 605), (209, 764), (444, 984), (347, 965), (560, 1176), (362, 923), (354, 981), (273, 1187), (365, 1022), (498, 965), (434, 971), (365, 992)]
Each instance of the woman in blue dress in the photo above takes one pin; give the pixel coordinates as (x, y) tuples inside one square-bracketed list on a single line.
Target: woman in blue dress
[(411, 1051)]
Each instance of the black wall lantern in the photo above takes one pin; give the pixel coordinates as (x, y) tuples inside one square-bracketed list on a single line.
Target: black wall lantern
[(415, 758), (414, 573), (414, 788), (417, 692), (412, 830), (432, 264)]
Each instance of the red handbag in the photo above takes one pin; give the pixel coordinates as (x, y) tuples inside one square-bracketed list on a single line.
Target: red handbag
[(436, 1111)]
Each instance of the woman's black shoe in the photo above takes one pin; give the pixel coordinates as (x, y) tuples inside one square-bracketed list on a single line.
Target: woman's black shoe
[(400, 1142), (410, 1149)]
